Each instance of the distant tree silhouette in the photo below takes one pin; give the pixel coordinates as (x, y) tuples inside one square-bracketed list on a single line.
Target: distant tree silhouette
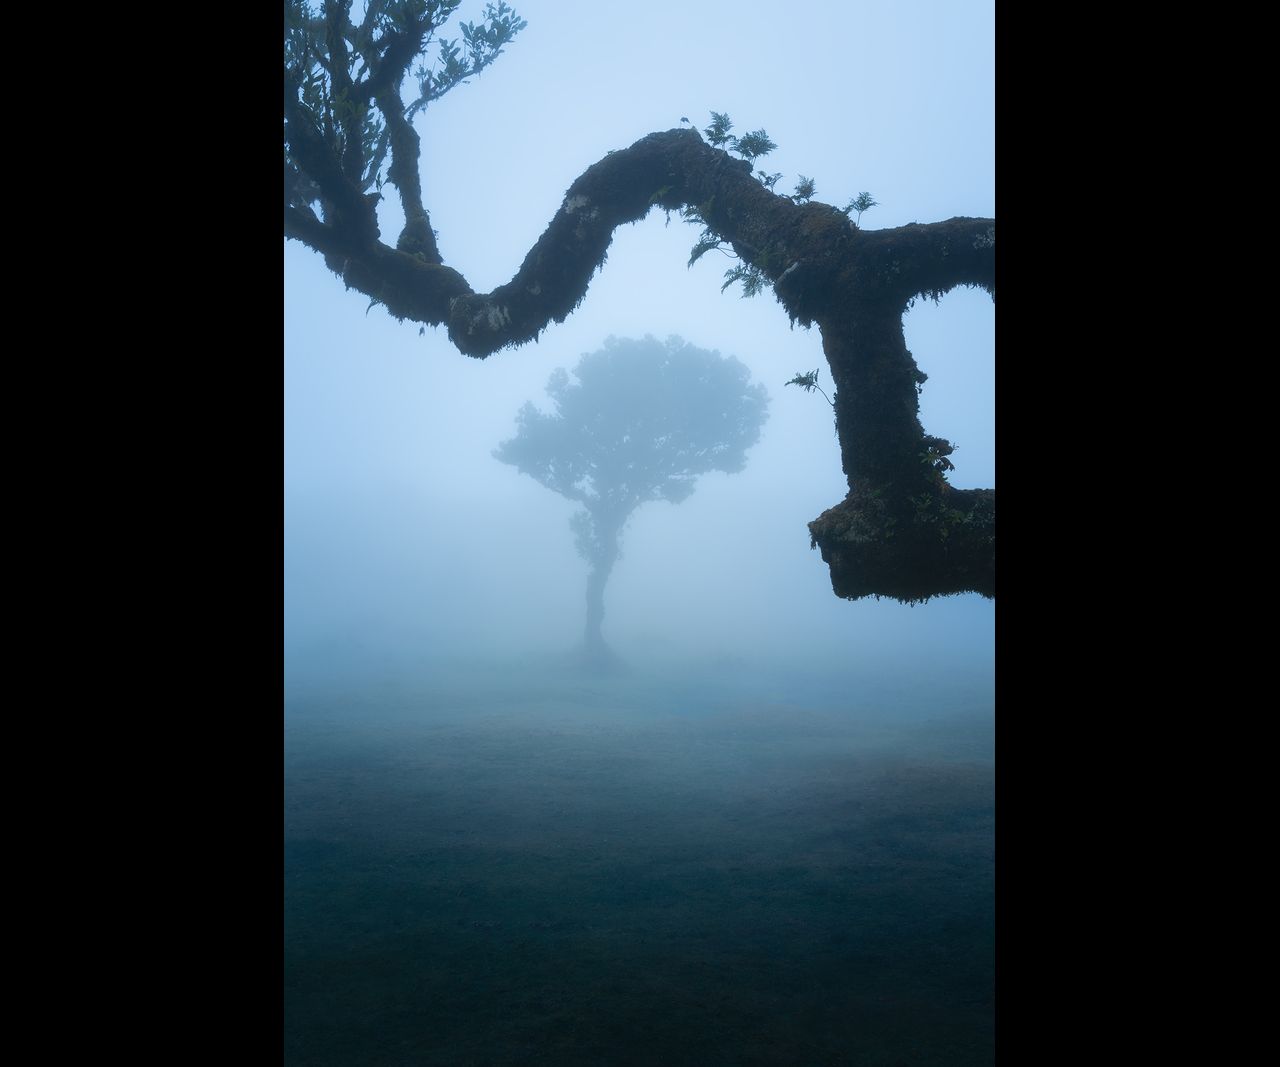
[(643, 419)]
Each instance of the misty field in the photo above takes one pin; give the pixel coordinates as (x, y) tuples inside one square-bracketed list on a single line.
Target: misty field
[(728, 866)]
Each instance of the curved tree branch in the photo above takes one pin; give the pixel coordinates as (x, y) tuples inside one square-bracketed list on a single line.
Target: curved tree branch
[(902, 531), (355, 211), (417, 235)]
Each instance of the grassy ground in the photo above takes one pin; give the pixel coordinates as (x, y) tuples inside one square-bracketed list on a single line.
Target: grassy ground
[(549, 871)]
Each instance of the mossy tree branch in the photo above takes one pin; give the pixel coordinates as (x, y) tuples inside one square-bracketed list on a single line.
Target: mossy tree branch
[(902, 531)]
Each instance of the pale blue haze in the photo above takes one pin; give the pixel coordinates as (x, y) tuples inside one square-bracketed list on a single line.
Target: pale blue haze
[(405, 536)]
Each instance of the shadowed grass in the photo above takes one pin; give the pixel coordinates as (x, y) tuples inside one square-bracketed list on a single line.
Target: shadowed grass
[(573, 874)]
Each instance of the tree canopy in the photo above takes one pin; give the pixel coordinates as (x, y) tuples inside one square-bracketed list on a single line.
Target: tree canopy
[(902, 530), (638, 421), (641, 421)]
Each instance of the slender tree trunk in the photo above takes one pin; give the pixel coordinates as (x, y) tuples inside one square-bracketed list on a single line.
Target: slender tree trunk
[(597, 652), (593, 639)]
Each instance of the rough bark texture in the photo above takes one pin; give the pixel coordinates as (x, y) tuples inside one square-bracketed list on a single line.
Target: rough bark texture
[(901, 531)]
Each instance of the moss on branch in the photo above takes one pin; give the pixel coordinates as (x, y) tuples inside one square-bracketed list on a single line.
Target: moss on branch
[(902, 531)]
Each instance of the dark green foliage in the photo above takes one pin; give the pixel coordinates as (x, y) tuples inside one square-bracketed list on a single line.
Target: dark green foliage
[(339, 75), (860, 203), (805, 188), (718, 132), (936, 451), (752, 278), (754, 145), (706, 243), (751, 146), (809, 382), (483, 44)]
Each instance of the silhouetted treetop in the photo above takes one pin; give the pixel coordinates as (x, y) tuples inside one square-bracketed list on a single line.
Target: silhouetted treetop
[(639, 420)]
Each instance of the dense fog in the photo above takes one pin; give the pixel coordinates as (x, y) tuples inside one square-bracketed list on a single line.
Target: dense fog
[(755, 723), (402, 533), (404, 537)]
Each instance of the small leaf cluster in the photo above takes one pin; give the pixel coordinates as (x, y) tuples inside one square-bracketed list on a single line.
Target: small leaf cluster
[(805, 188), (751, 146), (809, 382), (753, 279), (483, 44), (717, 133), (860, 203), (936, 451)]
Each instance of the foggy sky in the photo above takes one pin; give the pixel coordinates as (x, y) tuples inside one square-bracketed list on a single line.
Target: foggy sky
[(404, 534)]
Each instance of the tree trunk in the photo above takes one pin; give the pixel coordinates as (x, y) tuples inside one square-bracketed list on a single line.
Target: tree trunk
[(902, 530), (596, 652), (593, 639)]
